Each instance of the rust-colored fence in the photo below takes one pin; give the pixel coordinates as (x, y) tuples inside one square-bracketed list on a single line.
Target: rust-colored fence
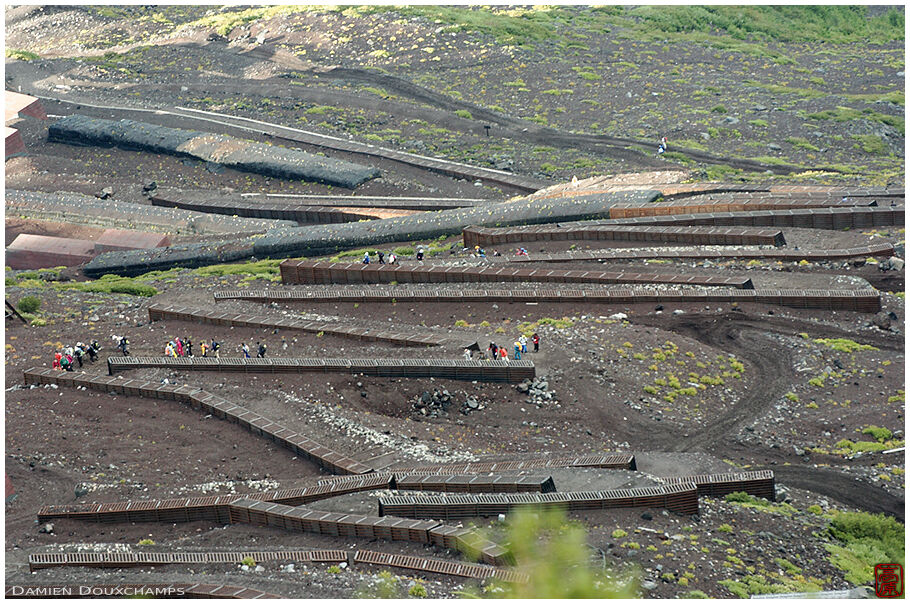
[(324, 457), (301, 519), (882, 249), (309, 272), (578, 231), (681, 498), (760, 484), (486, 371), (811, 218), (856, 300), (733, 204), (410, 563), (213, 508), (619, 461), (410, 337), (125, 590), (471, 483)]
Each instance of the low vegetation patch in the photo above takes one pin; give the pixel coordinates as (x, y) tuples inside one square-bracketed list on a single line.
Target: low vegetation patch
[(865, 540)]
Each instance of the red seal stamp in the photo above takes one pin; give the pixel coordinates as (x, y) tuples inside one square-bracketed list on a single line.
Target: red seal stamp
[(889, 580)]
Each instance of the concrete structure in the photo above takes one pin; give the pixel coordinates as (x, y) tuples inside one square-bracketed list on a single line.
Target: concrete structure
[(39, 251), (120, 239), (19, 106)]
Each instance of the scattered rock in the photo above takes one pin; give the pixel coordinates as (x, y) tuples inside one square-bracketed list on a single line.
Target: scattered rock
[(47, 528), (106, 193), (774, 147)]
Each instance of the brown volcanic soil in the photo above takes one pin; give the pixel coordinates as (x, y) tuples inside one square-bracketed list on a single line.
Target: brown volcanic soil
[(122, 447)]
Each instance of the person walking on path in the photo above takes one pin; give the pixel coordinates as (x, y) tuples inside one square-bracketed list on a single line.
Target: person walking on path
[(260, 353), (57, 358), (392, 258), (79, 353), (204, 348), (65, 364), (178, 346), (662, 147), (169, 350), (535, 339), (366, 257), (246, 350), (517, 351), (381, 257), (494, 350), (189, 347), (503, 355), (467, 354), (93, 349), (523, 340), (123, 346), (216, 347)]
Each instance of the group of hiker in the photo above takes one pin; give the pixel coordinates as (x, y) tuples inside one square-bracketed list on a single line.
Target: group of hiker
[(67, 357), (501, 353), (260, 350), (393, 259), (183, 347)]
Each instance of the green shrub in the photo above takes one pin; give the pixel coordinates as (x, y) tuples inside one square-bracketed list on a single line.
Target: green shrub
[(29, 304), (461, 323), (696, 594), (417, 591), (814, 509), (248, 561), (404, 251), (869, 539), (879, 434), (333, 570), (146, 542), (792, 397), (465, 114), (718, 109), (725, 528), (619, 534)]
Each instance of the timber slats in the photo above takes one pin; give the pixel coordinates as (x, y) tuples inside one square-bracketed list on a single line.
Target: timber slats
[(212, 508), (130, 559), (409, 337), (882, 249), (471, 483), (857, 300), (307, 272), (487, 371), (621, 461), (323, 456), (302, 519), (125, 590), (759, 484), (688, 235), (412, 563), (809, 218), (269, 201), (681, 498)]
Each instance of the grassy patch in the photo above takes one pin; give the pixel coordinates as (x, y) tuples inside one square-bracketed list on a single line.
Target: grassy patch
[(262, 269), (871, 144), (748, 501), (801, 143), (866, 539), (846, 114), (110, 284), (843, 344), (22, 55)]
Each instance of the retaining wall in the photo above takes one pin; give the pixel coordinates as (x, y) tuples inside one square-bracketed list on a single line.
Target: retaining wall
[(307, 272), (680, 498), (486, 371), (230, 152), (411, 337), (759, 484), (580, 232), (882, 249), (856, 300)]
